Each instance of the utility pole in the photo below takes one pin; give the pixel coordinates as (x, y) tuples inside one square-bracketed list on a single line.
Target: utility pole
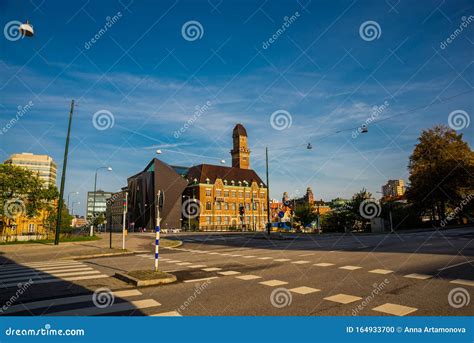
[(268, 193), (63, 178)]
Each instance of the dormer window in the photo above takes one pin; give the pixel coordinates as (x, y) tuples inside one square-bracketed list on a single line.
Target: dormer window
[(208, 181)]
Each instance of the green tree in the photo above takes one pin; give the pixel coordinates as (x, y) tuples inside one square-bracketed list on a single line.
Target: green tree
[(441, 168), (305, 214)]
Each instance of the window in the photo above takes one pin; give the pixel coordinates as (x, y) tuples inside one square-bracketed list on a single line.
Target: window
[(218, 193), (208, 205), (208, 192), (255, 206), (247, 207), (226, 220), (218, 205), (233, 194), (241, 194), (219, 220), (31, 228), (208, 220), (233, 206), (226, 194), (226, 206)]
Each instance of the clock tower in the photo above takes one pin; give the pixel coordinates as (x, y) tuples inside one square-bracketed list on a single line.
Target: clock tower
[(240, 153)]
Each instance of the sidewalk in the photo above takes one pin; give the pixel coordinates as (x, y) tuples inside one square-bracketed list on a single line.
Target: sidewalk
[(37, 252)]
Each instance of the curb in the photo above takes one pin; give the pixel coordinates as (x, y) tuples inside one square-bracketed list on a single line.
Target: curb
[(142, 283)]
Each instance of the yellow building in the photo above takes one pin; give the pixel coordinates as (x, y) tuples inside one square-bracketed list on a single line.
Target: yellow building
[(42, 165), (229, 197), (23, 228)]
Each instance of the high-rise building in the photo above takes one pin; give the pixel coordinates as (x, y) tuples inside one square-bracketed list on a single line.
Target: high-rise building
[(100, 206), (393, 189), (42, 165)]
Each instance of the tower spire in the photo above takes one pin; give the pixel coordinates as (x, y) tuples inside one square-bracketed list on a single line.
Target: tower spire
[(240, 152)]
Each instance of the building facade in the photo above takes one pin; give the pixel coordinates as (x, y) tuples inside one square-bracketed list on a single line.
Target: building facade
[(393, 189), (228, 197), (100, 206), (114, 212), (42, 165)]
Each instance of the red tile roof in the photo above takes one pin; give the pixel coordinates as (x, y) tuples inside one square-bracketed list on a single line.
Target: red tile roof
[(212, 172)]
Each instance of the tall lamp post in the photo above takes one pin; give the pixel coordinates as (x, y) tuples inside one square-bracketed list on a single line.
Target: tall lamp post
[(93, 203), (63, 178), (68, 195), (74, 202)]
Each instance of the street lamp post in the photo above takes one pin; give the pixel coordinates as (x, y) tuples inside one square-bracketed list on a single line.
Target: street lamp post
[(74, 202), (93, 203), (69, 194)]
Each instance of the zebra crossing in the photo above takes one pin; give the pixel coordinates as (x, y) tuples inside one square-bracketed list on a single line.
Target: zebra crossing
[(101, 302), (46, 272)]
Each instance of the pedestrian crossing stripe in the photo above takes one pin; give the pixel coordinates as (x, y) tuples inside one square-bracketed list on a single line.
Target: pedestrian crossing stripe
[(117, 307)]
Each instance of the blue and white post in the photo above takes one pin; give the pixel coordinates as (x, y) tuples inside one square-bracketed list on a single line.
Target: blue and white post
[(157, 230)]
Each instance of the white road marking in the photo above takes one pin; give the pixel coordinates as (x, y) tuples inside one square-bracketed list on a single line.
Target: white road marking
[(397, 310), (167, 314), (100, 276), (197, 266), (350, 267), (343, 298), (418, 276), (456, 265), (282, 259), (229, 272), (273, 283), (66, 301), (47, 276), (381, 271), (300, 262), (264, 258), (203, 279), (248, 256), (248, 277), (323, 264), (184, 263), (38, 266), (304, 290), (213, 269), (43, 271), (463, 282)]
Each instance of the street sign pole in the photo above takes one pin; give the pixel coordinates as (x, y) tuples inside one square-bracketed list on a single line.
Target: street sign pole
[(159, 206), (124, 219)]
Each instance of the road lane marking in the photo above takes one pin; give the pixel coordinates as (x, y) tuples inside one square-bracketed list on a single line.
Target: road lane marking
[(88, 277), (174, 261), (197, 266), (418, 276), (273, 283), (47, 276), (264, 258), (43, 271), (463, 282), (323, 264), (167, 314), (248, 256), (117, 307), (184, 263), (202, 279), (343, 298), (300, 262), (248, 277), (394, 309), (282, 259), (381, 271), (304, 290), (350, 267), (37, 266), (66, 301), (213, 269), (229, 272)]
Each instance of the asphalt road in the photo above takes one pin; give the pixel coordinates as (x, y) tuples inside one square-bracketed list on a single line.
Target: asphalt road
[(419, 273)]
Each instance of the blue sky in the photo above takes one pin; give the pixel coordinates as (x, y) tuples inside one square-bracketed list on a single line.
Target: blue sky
[(151, 79)]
